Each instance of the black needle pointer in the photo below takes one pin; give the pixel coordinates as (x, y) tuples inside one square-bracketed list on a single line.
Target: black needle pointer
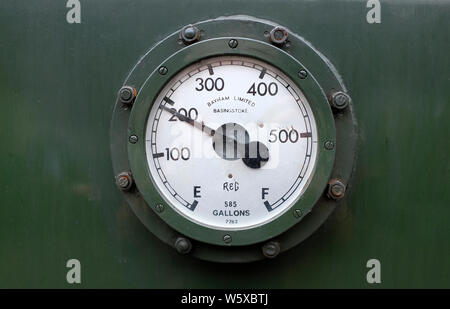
[(256, 154)]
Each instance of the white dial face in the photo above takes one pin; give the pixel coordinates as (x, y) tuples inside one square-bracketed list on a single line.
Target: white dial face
[(231, 143)]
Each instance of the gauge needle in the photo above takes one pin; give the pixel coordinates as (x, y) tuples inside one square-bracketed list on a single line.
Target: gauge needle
[(256, 154), (197, 124), (192, 122)]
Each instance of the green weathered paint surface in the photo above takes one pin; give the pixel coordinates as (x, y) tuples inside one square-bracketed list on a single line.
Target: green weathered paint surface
[(59, 82)]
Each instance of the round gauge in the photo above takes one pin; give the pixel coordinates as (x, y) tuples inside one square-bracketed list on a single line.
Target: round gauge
[(224, 139), (231, 143)]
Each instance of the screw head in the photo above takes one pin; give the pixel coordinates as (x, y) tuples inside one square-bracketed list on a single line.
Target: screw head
[(271, 249), (329, 145), (303, 74), (124, 181), (190, 34), (183, 245), (159, 208), (340, 100), (227, 239), (336, 189), (298, 213), (233, 43), (163, 70), (127, 94), (278, 35), (133, 139)]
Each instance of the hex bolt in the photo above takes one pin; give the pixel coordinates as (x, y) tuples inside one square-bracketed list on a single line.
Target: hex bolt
[(278, 35), (124, 181), (163, 70), (298, 213), (190, 34), (227, 239), (329, 145), (233, 43), (303, 74), (133, 139), (336, 189), (127, 95), (183, 245), (339, 100), (271, 249), (159, 208)]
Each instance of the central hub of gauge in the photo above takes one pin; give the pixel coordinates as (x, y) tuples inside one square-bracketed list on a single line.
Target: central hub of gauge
[(231, 143), (230, 140)]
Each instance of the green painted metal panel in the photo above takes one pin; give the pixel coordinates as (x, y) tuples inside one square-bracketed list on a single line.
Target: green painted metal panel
[(59, 82)]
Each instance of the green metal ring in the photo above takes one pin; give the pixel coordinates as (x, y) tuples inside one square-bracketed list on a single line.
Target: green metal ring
[(217, 47)]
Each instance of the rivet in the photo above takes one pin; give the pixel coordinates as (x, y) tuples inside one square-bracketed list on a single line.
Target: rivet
[(133, 139), (329, 145), (298, 213), (303, 74), (227, 239), (233, 43), (163, 70)]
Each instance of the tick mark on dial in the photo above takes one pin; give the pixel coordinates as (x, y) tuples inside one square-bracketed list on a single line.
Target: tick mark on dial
[(263, 72), (306, 134), (267, 204), (193, 205), (158, 155), (210, 69), (169, 101)]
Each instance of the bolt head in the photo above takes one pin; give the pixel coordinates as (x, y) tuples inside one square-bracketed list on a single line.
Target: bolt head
[(159, 208), (127, 94), (133, 139), (329, 145), (340, 100), (163, 70), (271, 249), (278, 35), (227, 239), (183, 245), (124, 181), (303, 74), (336, 189), (298, 213), (190, 34), (233, 43)]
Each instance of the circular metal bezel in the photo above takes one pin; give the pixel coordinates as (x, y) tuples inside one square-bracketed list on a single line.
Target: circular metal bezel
[(218, 47), (313, 206)]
